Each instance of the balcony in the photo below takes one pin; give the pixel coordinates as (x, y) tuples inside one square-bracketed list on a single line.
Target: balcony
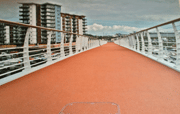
[(48, 22), (24, 11), (24, 14), (24, 7)]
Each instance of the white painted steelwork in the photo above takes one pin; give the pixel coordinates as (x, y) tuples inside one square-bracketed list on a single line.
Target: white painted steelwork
[(30, 58), (153, 46)]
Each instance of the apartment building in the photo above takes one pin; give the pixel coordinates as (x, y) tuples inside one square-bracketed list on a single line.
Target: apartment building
[(29, 13), (10, 34), (45, 15), (73, 23), (50, 18)]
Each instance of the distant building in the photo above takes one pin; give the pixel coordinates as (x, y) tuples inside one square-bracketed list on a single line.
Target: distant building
[(73, 23), (46, 15), (10, 34)]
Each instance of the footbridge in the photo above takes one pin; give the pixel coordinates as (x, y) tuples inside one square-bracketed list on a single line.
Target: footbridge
[(135, 74)]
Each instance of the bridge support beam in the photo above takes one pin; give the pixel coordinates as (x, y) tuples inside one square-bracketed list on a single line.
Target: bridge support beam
[(177, 35)]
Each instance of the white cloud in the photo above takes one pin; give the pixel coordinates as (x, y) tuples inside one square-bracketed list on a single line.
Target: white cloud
[(98, 28)]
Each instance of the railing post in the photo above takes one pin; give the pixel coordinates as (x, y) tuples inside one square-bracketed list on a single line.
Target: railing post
[(130, 42), (49, 58), (90, 43), (85, 43), (149, 44), (27, 64), (160, 54), (177, 46), (62, 45), (137, 39), (142, 40), (134, 42), (80, 43), (77, 44), (70, 45)]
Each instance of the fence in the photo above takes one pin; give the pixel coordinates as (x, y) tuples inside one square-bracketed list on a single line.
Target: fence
[(160, 43), (29, 54)]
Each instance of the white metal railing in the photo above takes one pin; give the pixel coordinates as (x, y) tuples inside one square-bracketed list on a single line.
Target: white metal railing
[(17, 61), (165, 50)]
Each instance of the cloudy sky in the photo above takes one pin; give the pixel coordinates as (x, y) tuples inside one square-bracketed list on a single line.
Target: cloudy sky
[(107, 17)]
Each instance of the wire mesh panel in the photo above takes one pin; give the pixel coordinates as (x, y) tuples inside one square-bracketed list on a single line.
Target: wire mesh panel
[(91, 108)]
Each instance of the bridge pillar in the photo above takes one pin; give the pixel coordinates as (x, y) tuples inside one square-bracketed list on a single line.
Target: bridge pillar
[(149, 44), (177, 46), (27, 64), (160, 54), (70, 45), (142, 40), (62, 45), (49, 58)]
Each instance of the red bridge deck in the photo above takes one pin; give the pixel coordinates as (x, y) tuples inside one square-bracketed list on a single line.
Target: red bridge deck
[(109, 73)]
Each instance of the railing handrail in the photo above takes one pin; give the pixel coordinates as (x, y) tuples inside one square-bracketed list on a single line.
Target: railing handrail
[(136, 42), (166, 23), (38, 27), (30, 58)]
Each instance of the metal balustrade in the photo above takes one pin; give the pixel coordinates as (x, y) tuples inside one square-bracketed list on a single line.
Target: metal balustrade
[(19, 60), (165, 50)]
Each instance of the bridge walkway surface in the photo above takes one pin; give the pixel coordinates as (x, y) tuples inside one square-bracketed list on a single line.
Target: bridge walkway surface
[(109, 73)]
